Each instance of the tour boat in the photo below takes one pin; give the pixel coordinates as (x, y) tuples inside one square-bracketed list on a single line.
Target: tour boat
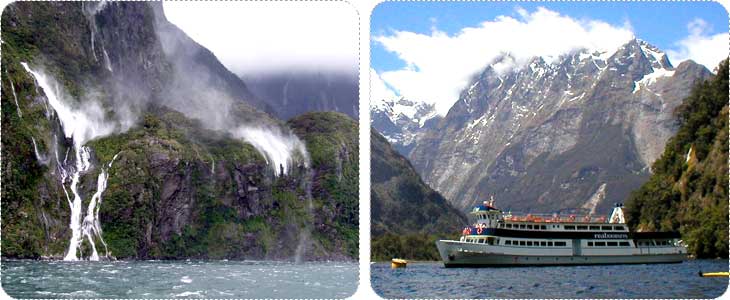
[(503, 239)]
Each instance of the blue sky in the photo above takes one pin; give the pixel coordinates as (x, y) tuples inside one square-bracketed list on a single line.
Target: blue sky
[(659, 23), (427, 51)]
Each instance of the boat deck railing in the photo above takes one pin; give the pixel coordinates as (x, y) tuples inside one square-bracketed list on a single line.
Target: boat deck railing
[(553, 218)]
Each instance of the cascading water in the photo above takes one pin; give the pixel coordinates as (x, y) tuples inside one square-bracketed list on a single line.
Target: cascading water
[(91, 226), (80, 125), (280, 150), (15, 97), (91, 9), (41, 158), (107, 62), (306, 231)]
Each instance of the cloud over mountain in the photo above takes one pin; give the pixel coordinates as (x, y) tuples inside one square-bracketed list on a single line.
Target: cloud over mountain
[(439, 65)]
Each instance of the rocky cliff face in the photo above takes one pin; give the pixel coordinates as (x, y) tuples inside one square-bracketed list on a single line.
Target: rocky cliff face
[(550, 135), (98, 106)]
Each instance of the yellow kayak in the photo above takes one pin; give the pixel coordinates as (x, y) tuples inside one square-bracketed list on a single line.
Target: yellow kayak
[(715, 274), (398, 263)]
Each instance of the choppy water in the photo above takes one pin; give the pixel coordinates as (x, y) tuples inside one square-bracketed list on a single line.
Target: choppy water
[(177, 279), (432, 280)]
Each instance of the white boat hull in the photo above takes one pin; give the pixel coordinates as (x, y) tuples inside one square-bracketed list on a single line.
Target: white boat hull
[(459, 254)]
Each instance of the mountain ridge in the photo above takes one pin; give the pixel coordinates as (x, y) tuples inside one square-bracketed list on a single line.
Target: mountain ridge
[(509, 130)]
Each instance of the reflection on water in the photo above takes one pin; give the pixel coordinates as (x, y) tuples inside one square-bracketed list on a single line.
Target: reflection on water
[(432, 280), (177, 279)]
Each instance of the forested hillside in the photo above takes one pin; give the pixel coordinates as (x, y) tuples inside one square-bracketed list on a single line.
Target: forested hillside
[(407, 215), (688, 190)]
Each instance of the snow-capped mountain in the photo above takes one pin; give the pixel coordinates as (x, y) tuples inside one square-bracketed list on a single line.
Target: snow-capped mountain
[(550, 134), (402, 121)]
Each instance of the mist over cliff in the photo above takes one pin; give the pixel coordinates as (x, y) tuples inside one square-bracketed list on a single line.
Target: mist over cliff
[(127, 139)]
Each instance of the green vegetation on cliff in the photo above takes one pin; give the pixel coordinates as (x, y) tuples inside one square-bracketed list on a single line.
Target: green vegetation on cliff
[(175, 188), (333, 143), (407, 216), (688, 190)]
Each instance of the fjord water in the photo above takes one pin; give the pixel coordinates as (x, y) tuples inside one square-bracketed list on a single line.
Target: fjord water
[(177, 279), (432, 280)]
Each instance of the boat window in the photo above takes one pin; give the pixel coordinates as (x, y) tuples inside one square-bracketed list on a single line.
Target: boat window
[(582, 227), (509, 225), (522, 243), (625, 244), (569, 227), (543, 244), (605, 227), (508, 242), (600, 244), (559, 244), (522, 226), (595, 228), (550, 244), (529, 243), (543, 227), (618, 228), (612, 244), (590, 244), (529, 226)]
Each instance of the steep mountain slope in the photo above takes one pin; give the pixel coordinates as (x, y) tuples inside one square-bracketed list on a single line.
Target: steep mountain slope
[(553, 135), (202, 67), (402, 122), (301, 91), (333, 143), (407, 216), (104, 130), (688, 191)]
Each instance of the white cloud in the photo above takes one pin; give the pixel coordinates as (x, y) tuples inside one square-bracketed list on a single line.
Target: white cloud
[(378, 90), (439, 65), (701, 46), (263, 36)]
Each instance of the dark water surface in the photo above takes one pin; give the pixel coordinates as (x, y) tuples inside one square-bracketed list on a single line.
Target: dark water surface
[(177, 279), (432, 280)]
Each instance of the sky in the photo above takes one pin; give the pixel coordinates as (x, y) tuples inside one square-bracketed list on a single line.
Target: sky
[(259, 37), (427, 51)]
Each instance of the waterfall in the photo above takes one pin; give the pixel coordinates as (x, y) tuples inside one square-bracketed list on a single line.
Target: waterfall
[(107, 63), (81, 125), (280, 150), (82, 165), (91, 226), (90, 11), (41, 158), (15, 96), (305, 232)]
